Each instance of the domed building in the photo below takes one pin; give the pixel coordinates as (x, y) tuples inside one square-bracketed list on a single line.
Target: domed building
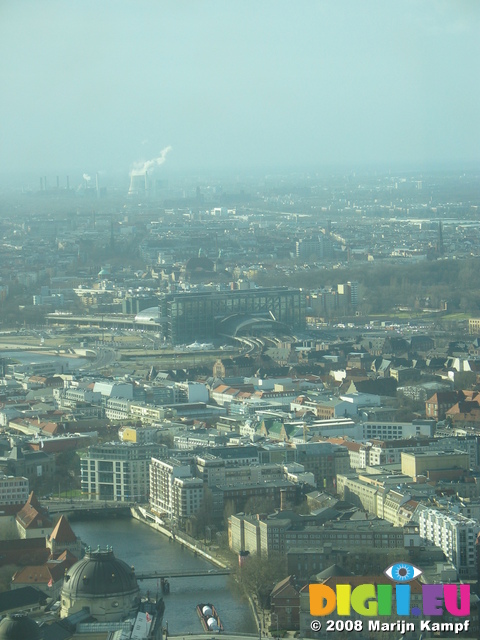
[(101, 583), (148, 316), (18, 626)]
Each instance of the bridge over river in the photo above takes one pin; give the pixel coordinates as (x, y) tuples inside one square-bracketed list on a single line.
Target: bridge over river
[(162, 575)]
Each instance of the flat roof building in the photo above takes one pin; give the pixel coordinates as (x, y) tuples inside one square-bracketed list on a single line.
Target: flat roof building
[(187, 317), (425, 463)]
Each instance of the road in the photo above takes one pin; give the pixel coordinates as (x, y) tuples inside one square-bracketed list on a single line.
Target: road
[(55, 505), (105, 357)]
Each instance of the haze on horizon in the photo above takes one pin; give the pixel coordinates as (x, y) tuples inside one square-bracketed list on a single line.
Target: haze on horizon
[(237, 84)]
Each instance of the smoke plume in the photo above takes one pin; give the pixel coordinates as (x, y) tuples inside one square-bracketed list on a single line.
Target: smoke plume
[(141, 168)]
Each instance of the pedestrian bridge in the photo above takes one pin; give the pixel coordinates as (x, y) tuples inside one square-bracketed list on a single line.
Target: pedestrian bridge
[(162, 575)]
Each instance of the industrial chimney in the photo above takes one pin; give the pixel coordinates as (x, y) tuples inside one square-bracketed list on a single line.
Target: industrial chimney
[(137, 184)]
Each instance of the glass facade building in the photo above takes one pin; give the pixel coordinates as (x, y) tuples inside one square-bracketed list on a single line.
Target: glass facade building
[(197, 316)]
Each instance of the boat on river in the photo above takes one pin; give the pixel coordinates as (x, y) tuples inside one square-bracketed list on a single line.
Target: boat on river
[(209, 618)]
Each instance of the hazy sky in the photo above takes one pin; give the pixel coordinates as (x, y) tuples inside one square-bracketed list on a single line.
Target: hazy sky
[(101, 84)]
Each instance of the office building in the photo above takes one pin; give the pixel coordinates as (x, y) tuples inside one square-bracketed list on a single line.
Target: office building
[(13, 490), (118, 471)]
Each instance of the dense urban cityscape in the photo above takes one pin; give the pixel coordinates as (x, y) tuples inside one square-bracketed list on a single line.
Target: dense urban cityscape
[(239, 320), (212, 362)]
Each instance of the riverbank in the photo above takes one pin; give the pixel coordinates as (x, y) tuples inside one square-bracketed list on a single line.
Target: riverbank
[(152, 553), (153, 521), (263, 623)]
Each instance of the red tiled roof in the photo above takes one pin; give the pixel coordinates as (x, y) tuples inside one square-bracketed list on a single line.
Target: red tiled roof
[(50, 427), (33, 575), (66, 557), (32, 516), (63, 531)]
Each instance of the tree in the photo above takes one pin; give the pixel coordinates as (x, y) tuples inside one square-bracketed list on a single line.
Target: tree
[(464, 380), (408, 409), (259, 504), (259, 575), (204, 516), (228, 511), (167, 439)]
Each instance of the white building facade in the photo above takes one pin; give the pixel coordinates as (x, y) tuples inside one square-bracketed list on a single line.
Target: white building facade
[(118, 471), (13, 490), (174, 491), (453, 533)]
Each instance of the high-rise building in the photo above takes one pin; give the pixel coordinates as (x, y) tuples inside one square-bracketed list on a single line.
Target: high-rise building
[(309, 247), (353, 286)]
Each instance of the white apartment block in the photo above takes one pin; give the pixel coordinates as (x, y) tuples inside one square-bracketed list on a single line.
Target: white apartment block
[(123, 409), (81, 395), (13, 490), (173, 489), (397, 430), (118, 471), (453, 533), (117, 409), (187, 497), (148, 413)]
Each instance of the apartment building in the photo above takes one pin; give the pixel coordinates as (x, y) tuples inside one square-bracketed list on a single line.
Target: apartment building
[(454, 534), (13, 489), (118, 471), (390, 451), (117, 409), (437, 405), (124, 409), (284, 531), (324, 460), (174, 491), (397, 430), (371, 492)]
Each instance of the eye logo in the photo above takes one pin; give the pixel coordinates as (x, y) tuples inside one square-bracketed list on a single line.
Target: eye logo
[(402, 572)]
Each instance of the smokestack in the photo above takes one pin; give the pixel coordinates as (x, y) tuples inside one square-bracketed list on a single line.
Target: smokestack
[(45, 182), (96, 185), (137, 184), (139, 173), (68, 183)]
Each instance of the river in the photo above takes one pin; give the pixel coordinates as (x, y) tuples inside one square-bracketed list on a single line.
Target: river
[(30, 357), (146, 549)]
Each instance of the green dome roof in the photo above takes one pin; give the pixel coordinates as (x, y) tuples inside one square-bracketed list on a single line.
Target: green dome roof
[(99, 573), (18, 626)]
